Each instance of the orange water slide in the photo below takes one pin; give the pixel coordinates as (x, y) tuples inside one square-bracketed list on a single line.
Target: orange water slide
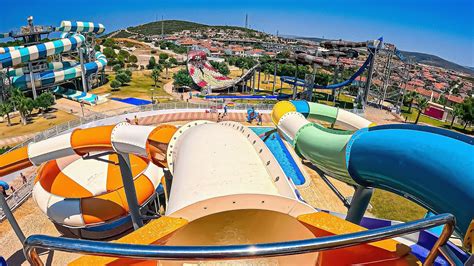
[(150, 142)]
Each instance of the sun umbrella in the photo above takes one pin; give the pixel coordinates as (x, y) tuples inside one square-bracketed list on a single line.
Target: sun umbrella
[(4, 185)]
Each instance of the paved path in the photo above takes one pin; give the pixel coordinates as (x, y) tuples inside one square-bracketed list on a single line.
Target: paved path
[(152, 120), (190, 116), (6, 142)]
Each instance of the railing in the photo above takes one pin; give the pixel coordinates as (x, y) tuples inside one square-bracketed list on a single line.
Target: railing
[(20, 195), (58, 129), (23, 192), (242, 251)]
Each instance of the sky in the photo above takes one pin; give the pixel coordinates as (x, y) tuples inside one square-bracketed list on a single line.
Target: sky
[(441, 27)]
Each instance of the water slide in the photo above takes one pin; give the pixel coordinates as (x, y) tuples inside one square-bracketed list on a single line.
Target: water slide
[(301, 82), (205, 75), (310, 59), (79, 193), (428, 165), (57, 72), (240, 195)]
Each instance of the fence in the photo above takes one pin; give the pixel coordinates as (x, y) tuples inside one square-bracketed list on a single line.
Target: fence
[(22, 193)]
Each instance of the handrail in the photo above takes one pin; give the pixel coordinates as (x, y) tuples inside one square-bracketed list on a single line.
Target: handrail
[(238, 251)]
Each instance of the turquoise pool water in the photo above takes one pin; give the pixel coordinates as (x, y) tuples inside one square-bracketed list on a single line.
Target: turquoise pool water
[(283, 156)]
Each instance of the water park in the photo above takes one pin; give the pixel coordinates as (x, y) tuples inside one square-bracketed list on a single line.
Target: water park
[(196, 182)]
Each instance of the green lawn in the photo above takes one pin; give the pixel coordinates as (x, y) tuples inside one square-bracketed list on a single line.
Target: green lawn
[(140, 87), (390, 206), (411, 117)]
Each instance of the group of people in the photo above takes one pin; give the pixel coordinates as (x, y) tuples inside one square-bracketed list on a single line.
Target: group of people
[(219, 117), (135, 120), (252, 114), (24, 180)]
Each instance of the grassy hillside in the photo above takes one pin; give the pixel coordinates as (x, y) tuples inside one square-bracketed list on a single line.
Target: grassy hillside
[(172, 26)]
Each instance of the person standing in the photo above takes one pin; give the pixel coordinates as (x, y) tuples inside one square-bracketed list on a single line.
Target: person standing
[(259, 119), (135, 120), (23, 178), (225, 109)]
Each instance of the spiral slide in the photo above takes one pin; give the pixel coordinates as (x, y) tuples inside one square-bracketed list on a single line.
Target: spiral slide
[(77, 192), (60, 71), (431, 166)]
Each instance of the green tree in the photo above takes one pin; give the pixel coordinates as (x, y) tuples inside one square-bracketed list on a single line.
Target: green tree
[(164, 56), (167, 65), (108, 42), (109, 53), (409, 98), (151, 63), (123, 78), (173, 61), (422, 104), (155, 75), (128, 72), (115, 84), (133, 59), (182, 78), (5, 109), (97, 48), (124, 54), (443, 101), (23, 104), (44, 101), (468, 111), (456, 112), (116, 68)]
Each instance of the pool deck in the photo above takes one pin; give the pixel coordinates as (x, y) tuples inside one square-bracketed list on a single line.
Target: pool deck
[(315, 191)]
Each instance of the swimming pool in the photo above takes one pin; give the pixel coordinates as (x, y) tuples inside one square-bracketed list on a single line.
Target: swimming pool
[(283, 156), (132, 100)]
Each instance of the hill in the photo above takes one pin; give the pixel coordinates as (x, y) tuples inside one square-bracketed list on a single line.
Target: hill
[(434, 60), (170, 27), (421, 58)]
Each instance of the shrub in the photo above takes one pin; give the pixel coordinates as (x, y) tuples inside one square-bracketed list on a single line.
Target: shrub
[(115, 84)]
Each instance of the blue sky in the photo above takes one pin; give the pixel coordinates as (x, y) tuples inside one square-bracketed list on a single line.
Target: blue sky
[(444, 28)]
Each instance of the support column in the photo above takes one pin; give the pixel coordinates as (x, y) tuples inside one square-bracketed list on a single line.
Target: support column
[(334, 79), (32, 81), (387, 78), (83, 71), (274, 78), (253, 83), (369, 78), (359, 203), (295, 87), (130, 192), (258, 81), (11, 219)]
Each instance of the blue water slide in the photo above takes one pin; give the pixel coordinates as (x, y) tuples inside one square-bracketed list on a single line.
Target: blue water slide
[(431, 166), (301, 82), (248, 97)]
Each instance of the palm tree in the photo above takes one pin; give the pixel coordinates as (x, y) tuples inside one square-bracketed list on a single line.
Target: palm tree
[(5, 109), (410, 97), (456, 112), (155, 75), (23, 104), (167, 65), (422, 103)]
